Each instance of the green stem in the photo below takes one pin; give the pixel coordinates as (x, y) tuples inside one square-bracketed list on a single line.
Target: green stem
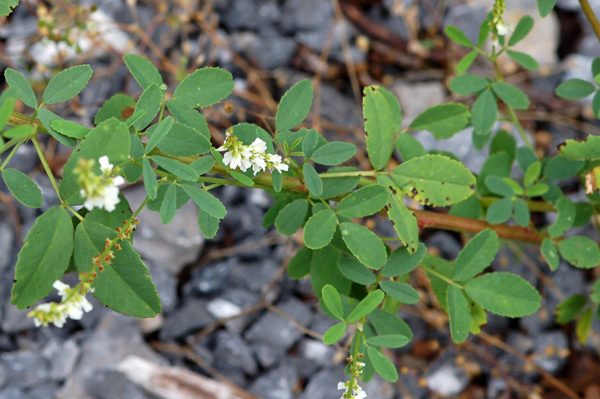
[(371, 173), (511, 112), (440, 276), (42, 157), (591, 17), (12, 154)]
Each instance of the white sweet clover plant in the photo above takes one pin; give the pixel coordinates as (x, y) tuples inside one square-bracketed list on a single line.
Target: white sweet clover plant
[(360, 278)]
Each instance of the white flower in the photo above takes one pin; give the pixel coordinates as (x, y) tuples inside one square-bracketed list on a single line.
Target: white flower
[(357, 391), (105, 166), (99, 191), (61, 288), (274, 162), (501, 28), (258, 146)]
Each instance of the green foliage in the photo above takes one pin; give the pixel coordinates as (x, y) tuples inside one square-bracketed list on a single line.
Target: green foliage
[(468, 84), (581, 150), (580, 251), (511, 95), (574, 89), (504, 294), (364, 244), (291, 217), (525, 60), (457, 36), (142, 70), (334, 153), (476, 255), (355, 271), (409, 147), (459, 313), (521, 30), (545, 7), (67, 84), (294, 105), (319, 229), (484, 112), (18, 81), (443, 121), (567, 310), (434, 180), (584, 326), (23, 188), (204, 87), (313, 182), (380, 108), (44, 257), (402, 261), (399, 291), (7, 6), (363, 202)]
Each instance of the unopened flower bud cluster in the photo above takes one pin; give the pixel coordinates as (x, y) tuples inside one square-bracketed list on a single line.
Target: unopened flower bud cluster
[(351, 388), (73, 304), (253, 156), (99, 191)]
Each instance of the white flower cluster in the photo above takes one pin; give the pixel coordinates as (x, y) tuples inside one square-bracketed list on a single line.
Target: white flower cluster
[(253, 156), (73, 305), (351, 388), (98, 191)]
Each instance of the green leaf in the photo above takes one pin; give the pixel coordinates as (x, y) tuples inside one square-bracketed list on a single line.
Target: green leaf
[(334, 186), (204, 87), (574, 89), (476, 256), (202, 165), (242, 178), (388, 323), (144, 72), (443, 121), (504, 142), (181, 198), (511, 95), (188, 116), (181, 170), (67, 84), (182, 141), (459, 313), (522, 215), (465, 63), (150, 101), (291, 218), (394, 105), (456, 35), (439, 286), (355, 271), (478, 317), (581, 150), (583, 213), (333, 301), (112, 219), (545, 7), (25, 190), (389, 341), (469, 208), (110, 138), (324, 270), (566, 217), (309, 143), (567, 310), (484, 31), (525, 60), (44, 257), (383, 365), (550, 253), (409, 147), (334, 333), (124, 285), (70, 129), (559, 168), (523, 28), (484, 112), (47, 117), (312, 180), (537, 190), (480, 140), (379, 126), (209, 225), (402, 261), (168, 206), (584, 326), (294, 105), (434, 180), (525, 157), (500, 211), (499, 164), (364, 244), (532, 173), (7, 6), (580, 251), (299, 266), (596, 104), (365, 306), (504, 294), (363, 202), (498, 186), (334, 153), (17, 80), (150, 183), (403, 220), (399, 291), (118, 106), (19, 132), (162, 129), (468, 84), (206, 201), (8, 98), (319, 229)]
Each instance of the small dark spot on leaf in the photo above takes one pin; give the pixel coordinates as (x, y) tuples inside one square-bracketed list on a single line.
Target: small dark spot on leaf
[(414, 192), (448, 199), (472, 187), (393, 223)]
